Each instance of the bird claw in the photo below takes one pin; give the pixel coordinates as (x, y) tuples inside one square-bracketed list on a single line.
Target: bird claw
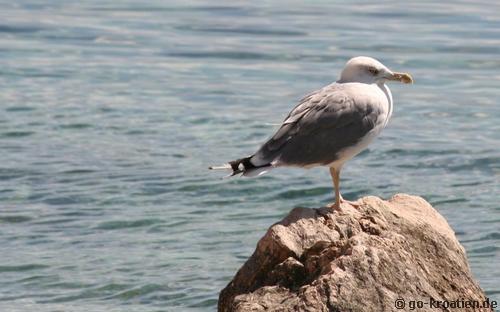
[(334, 207), (355, 204)]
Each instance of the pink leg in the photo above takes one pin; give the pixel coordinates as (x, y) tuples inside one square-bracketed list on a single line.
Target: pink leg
[(336, 185)]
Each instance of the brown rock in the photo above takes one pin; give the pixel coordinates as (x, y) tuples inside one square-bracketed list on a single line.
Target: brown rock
[(359, 259)]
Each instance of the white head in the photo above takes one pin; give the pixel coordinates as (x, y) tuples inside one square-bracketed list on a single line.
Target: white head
[(365, 69)]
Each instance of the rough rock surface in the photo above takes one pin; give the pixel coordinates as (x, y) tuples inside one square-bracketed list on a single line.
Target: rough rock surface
[(359, 259)]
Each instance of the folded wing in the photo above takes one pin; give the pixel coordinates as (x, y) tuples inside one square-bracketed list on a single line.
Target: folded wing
[(322, 125)]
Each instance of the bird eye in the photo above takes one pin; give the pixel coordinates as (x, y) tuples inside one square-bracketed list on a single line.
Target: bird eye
[(373, 71)]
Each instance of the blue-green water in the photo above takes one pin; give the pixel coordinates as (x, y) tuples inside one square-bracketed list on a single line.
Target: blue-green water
[(112, 111)]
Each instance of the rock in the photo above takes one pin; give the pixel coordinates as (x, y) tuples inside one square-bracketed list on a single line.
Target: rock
[(371, 258)]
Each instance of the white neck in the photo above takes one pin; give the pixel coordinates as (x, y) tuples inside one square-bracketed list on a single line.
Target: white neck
[(388, 94)]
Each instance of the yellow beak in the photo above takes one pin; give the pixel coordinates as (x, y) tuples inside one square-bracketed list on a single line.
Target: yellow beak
[(403, 77)]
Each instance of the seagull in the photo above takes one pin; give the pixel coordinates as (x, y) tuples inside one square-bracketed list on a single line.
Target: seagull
[(329, 126)]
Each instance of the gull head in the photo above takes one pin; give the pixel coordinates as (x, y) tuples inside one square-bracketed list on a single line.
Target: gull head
[(368, 70)]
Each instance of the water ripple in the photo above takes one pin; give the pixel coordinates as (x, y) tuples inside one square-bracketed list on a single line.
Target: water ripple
[(22, 268), (244, 31), (122, 224)]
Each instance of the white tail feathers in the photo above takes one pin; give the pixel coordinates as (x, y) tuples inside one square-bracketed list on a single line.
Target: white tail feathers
[(223, 167), (243, 166)]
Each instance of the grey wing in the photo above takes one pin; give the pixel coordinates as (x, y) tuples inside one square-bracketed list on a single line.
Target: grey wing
[(323, 124)]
